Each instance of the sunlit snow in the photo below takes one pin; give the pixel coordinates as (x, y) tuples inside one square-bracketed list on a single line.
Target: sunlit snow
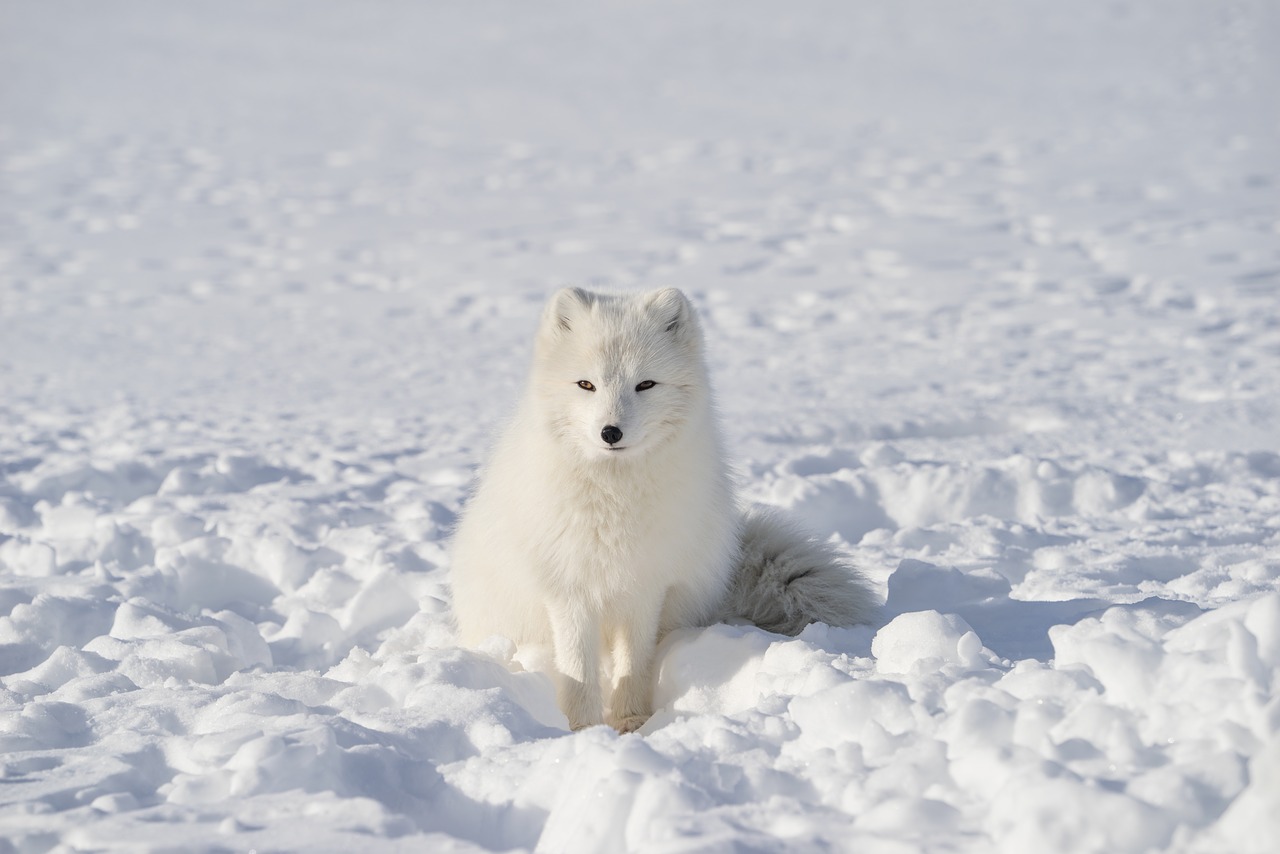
[(992, 296)]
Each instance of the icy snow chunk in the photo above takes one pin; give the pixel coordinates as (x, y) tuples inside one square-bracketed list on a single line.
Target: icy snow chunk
[(471, 697), (382, 602), (306, 639), (1239, 638), (63, 666), (429, 627), (1176, 792), (910, 817), (872, 713), (242, 473), (115, 803), (32, 558), (1068, 816), (617, 797), (917, 585), (153, 645), (977, 724), (1097, 725), (1249, 825), (881, 454), (919, 495), (710, 671), (227, 473), (155, 661), (47, 621), (1100, 492), (186, 480), (84, 688), (74, 519), (793, 667), (14, 514), (310, 761), (202, 579), (1036, 681), (1263, 621), (244, 642), (529, 696), (83, 534), (138, 618), (45, 724), (847, 503), (282, 561), (924, 640), (1122, 658), (725, 669), (172, 529)]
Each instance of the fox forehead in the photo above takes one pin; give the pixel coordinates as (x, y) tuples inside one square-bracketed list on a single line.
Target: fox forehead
[(611, 355), (624, 338)]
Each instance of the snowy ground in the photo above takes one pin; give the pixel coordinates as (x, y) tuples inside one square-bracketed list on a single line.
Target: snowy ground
[(993, 295)]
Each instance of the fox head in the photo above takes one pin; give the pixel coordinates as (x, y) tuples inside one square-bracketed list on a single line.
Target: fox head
[(617, 376)]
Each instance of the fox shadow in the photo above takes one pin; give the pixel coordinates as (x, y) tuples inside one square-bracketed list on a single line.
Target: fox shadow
[(1012, 628)]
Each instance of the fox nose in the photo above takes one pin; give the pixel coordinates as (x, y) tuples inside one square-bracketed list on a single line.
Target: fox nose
[(611, 434)]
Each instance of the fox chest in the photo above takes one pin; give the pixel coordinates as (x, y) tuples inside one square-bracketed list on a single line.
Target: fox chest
[(609, 544)]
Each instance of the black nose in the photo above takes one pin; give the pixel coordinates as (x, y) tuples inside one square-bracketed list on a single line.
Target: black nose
[(611, 434)]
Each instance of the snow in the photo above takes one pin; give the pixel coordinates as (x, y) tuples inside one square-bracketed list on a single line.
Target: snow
[(991, 293)]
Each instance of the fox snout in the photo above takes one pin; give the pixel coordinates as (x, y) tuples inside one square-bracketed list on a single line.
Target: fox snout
[(611, 435)]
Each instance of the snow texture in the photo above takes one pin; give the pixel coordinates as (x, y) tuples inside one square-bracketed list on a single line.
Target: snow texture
[(992, 296)]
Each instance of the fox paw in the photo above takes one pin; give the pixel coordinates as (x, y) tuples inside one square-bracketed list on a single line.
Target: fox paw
[(630, 723), (577, 722)]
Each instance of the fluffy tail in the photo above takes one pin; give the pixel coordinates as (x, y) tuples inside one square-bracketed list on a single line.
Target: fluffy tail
[(787, 578)]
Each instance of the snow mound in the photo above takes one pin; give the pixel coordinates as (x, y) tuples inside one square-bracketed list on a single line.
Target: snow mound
[(990, 300)]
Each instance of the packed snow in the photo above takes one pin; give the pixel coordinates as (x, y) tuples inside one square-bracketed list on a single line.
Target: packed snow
[(992, 297)]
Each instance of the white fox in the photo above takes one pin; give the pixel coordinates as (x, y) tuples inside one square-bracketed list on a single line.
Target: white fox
[(606, 514)]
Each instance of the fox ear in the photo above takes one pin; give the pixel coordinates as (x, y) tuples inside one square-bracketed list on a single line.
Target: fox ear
[(564, 307), (673, 309)]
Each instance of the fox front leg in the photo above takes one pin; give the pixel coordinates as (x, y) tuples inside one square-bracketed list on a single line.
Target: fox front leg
[(576, 634), (635, 638)]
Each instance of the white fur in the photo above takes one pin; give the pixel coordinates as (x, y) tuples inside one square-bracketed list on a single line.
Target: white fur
[(570, 544)]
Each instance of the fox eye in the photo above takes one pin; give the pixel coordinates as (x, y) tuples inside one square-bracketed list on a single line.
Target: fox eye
[(586, 385), (646, 385)]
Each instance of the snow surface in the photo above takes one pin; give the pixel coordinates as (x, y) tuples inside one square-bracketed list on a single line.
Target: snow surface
[(993, 296)]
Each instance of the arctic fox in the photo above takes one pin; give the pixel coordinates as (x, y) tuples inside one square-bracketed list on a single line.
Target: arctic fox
[(606, 516)]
